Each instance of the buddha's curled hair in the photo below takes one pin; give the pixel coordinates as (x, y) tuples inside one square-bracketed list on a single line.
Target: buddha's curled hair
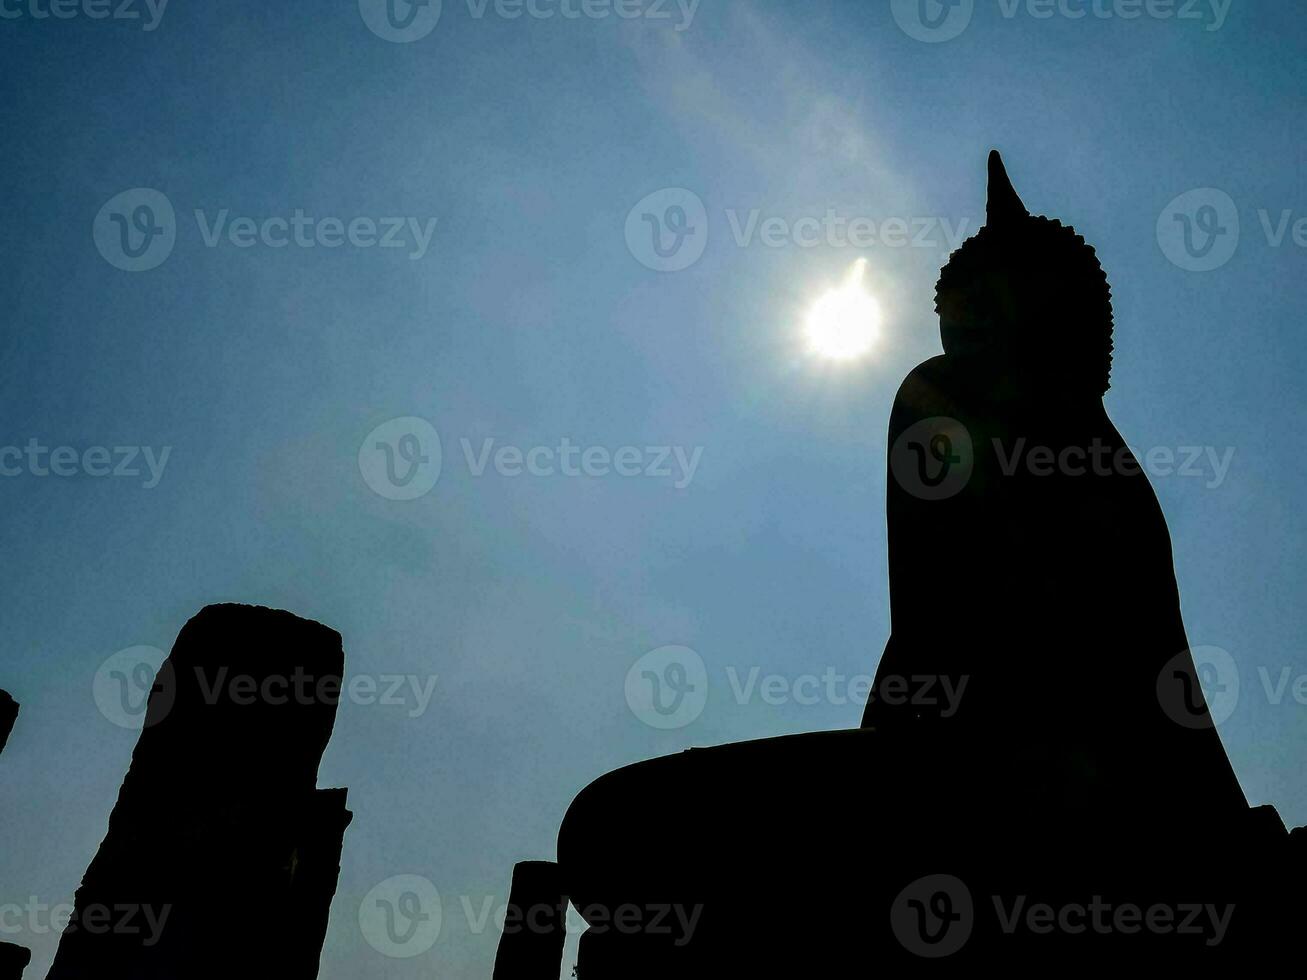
[(1030, 288)]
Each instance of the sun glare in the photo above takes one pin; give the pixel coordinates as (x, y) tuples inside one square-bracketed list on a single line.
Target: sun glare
[(845, 322)]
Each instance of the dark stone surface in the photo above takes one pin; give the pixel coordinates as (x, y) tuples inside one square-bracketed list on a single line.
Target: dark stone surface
[(535, 927), (13, 960), (220, 847), (8, 715)]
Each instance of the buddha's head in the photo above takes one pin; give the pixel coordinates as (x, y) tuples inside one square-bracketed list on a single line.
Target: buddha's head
[(1029, 293)]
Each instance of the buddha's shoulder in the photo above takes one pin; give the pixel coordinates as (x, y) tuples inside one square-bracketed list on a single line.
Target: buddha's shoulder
[(937, 386)]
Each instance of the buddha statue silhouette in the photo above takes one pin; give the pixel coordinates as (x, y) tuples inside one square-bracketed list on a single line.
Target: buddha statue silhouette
[(1031, 577), (1039, 570)]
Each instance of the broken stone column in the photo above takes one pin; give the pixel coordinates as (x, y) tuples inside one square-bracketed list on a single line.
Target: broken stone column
[(535, 926), (8, 715), (222, 856), (13, 961)]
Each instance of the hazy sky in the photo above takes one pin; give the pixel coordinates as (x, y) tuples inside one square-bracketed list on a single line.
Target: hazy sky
[(749, 528)]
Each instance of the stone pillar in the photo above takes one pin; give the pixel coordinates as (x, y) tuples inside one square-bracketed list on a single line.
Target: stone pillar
[(220, 846), (535, 927), (8, 715), (13, 961)]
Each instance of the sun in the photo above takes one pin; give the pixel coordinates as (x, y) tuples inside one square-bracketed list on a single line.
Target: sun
[(844, 323)]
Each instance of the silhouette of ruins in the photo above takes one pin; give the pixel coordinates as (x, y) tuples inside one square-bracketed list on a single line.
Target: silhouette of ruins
[(1030, 568), (8, 716), (535, 924), (1077, 768), (222, 855), (13, 960)]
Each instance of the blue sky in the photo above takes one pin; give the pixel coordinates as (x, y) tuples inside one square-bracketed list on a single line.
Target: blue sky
[(529, 317)]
